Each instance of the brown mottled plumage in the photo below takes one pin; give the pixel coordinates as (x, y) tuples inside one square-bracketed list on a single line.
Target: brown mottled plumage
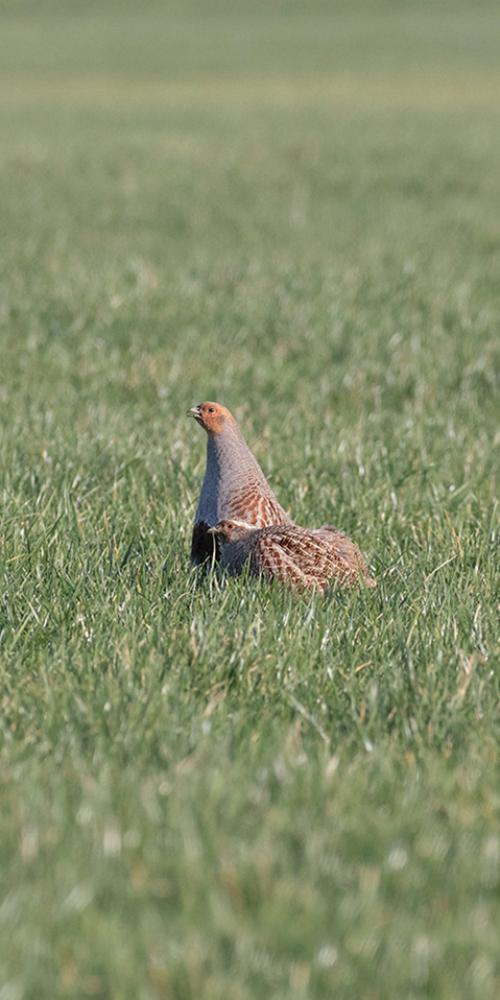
[(305, 559), (234, 485)]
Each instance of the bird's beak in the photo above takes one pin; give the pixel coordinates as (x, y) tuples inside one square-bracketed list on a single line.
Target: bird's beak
[(218, 531), (195, 412)]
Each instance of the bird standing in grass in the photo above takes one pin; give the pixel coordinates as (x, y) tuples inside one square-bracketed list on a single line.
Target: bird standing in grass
[(234, 485), (239, 520), (304, 559)]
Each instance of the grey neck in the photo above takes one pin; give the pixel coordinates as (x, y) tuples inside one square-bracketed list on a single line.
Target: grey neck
[(231, 469)]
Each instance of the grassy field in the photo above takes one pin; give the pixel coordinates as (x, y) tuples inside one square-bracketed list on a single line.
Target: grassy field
[(212, 789)]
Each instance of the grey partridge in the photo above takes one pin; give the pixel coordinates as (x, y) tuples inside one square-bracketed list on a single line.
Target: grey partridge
[(302, 558), (234, 485)]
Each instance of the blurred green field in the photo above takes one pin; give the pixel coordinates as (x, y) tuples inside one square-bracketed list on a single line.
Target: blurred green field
[(212, 789)]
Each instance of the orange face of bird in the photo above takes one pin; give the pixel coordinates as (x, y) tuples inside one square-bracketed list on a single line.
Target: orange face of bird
[(211, 416)]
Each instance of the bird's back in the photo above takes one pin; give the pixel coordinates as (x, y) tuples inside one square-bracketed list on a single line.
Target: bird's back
[(307, 559)]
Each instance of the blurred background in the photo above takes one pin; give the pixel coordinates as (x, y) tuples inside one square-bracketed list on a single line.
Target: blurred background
[(188, 187)]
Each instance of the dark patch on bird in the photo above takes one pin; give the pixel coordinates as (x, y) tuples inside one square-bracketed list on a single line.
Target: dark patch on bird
[(205, 546)]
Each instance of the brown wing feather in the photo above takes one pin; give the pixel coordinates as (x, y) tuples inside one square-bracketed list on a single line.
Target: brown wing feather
[(275, 557), (255, 508), (348, 550), (308, 558), (291, 555)]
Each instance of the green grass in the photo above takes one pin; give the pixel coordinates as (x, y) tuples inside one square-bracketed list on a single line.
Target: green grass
[(212, 788)]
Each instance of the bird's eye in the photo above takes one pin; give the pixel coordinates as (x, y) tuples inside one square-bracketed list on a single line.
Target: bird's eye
[(211, 409)]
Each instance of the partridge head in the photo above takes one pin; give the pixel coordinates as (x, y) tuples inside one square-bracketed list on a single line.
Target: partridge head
[(232, 530), (211, 416)]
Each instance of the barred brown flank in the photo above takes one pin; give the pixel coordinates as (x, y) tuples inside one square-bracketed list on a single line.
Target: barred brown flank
[(305, 559)]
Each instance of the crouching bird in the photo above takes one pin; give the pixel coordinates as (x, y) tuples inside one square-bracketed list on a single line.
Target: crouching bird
[(234, 485), (302, 558)]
